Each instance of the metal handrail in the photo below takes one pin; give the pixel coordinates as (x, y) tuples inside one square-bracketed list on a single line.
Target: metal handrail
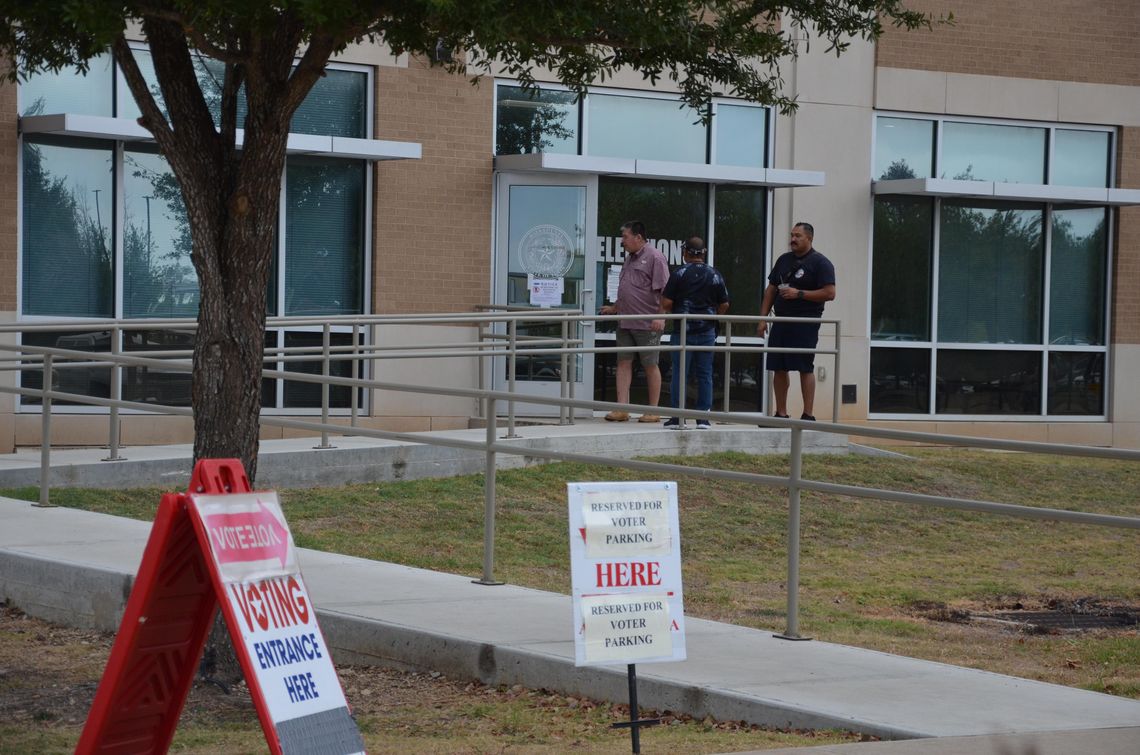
[(47, 358)]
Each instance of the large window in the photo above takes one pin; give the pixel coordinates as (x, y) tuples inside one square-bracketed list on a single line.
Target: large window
[(612, 124), (111, 214), (986, 307)]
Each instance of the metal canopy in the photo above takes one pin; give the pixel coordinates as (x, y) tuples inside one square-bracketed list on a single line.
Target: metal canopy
[(948, 187), (544, 162), (128, 130)]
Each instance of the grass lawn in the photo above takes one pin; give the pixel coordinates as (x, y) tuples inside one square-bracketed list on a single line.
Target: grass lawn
[(873, 574)]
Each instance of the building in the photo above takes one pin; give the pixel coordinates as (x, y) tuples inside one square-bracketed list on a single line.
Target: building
[(975, 186)]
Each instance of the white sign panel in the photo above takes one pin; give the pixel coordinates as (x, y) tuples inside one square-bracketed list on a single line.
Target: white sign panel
[(255, 557), (545, 291), (625, 558)]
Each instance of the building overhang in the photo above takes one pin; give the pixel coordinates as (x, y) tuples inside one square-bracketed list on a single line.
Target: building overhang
[(544, 162), (127, 130), (954, 188)]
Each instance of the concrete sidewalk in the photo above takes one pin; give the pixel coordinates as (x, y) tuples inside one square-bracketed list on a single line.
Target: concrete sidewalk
[(76, 567)]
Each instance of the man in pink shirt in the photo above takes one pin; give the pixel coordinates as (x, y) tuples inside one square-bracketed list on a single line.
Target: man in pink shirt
[(643, 277)]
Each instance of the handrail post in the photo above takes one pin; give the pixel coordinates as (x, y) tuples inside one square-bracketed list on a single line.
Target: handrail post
[(727, 363), (574, 368), (562, 383), (512, 368), (45, 433), (682, 362), (117, 395), (489, 501), (835, 387), (480, 338), (355, 401), (792, 631), (326, 343)]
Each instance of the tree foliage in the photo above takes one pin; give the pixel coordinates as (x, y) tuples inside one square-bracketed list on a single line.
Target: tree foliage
[(269, 54)]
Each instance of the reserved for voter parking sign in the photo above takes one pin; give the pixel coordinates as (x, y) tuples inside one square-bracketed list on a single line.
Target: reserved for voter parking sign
[(625, 564)]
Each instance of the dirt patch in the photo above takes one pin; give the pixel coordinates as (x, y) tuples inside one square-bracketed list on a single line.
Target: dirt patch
[(1047, 615)]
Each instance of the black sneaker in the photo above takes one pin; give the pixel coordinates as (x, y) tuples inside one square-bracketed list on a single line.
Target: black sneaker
[(808, 417), (673, 423), (702, 424)]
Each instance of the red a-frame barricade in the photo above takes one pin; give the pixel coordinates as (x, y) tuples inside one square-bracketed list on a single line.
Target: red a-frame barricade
[(208, 547)]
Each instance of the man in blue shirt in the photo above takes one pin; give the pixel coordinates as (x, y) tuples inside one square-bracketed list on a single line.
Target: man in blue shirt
[(694, 288), (801, 281)]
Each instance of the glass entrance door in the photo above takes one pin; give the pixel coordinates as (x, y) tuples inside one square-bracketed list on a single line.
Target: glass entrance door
[(543, 260)]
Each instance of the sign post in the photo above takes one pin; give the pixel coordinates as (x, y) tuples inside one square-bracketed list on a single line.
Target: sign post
[(625, 559), (221, 543)]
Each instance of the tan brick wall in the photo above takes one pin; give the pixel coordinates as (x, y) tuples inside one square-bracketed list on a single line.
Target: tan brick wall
[(433, 216), (9, 211), (1070, 40), (1126, 265)]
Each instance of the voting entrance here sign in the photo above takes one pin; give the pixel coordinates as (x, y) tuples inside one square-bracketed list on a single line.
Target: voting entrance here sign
[(267, 605), (625, 564), (222, 545)]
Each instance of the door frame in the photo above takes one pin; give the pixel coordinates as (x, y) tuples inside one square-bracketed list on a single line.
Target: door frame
[(494, 375)]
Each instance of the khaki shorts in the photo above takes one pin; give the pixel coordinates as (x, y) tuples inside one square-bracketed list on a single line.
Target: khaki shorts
[(629, 338)]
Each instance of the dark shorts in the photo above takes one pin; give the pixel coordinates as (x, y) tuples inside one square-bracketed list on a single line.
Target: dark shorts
[(627, 339), (792, 336)]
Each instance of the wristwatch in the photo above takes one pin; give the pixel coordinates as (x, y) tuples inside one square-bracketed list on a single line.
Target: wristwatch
[(800, 294)]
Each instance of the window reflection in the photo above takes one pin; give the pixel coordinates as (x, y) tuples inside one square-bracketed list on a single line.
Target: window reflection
[(68, 91), (904, 148), (900, 381), (900, 287), (324, 237), (158, 277), (1076, 383), (741, 234), (645, 129), (543, 120), (989, 152), (989, 382), (1080, 158), (741, 136), (1077, 276), (68, 208), (990, 273)]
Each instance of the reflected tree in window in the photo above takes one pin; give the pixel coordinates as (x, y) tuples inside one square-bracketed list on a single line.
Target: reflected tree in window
[(901, 285), (66, 221), (991, 270), (1077, 276), (532, 122), (158, 278)]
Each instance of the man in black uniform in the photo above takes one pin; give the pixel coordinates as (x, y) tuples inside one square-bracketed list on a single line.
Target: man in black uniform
[(801, 281), (694, 288)]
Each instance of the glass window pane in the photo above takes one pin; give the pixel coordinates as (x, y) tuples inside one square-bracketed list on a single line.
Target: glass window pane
[(985, 152), (738, 252), (543, 120), (741, 136), (904, 148), (1080, 158), (989, 382), (211, 77), (990, 274), (85, 381), (1076, 384), (300, 395), (1076, 278), (900, 287), (672, 211), (68, 91), (900, 381), (324, 237), (153, 385), (68, 206), (644, 128), (158, 277), (337, 105)]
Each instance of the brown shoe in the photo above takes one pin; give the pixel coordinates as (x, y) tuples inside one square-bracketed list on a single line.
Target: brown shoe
[(617, 417), (648, 418)]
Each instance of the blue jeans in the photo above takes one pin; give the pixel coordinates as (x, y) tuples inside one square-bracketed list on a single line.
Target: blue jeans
[(698, 366)]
